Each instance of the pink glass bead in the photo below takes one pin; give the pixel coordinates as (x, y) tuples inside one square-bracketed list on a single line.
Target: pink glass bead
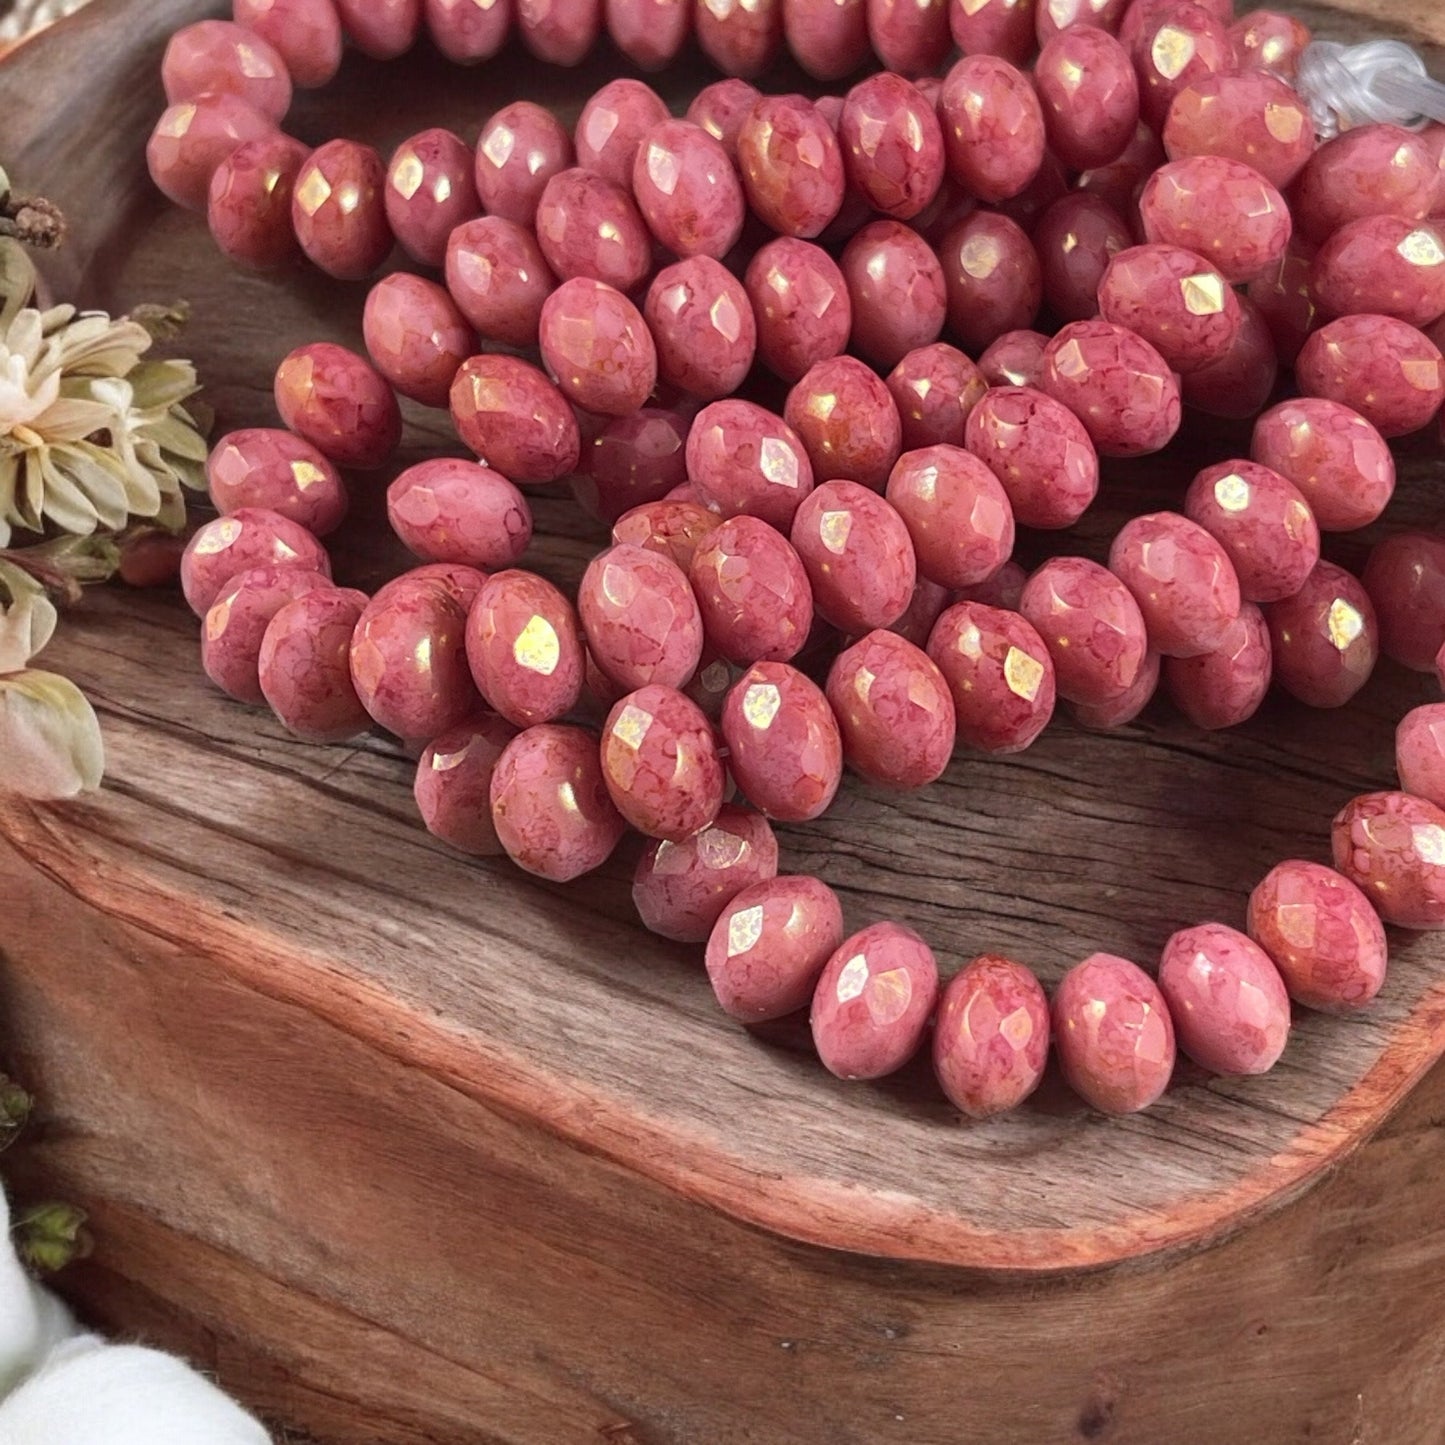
[(687, 190), (453, 784), (1385, 265), (251, 537), (752, 591), (1405, 578), (1420, 753), (382, 29), (1392, 847), (1040, 453), (1220, 209), (743, 458), (1091, 625), (1223, 688), (468, 31), (1113, 1034), (999, 673), (1263, 523), (461, 582), (1075, 240), (1238, 383), (702, 323), (873, 1002), (559, 32), (935, 389), (1118, 182), (785, 750), (305, 33), (1387, 370), (632, 460), (1268, 40), (499, 279), (671, 528), (660, 763), (409, 660), (991, 277), (1054, 16), (1325, 638), (429, 192), (640, 618), (597, 347), (1090, 96), (801, 306), (446, 509), (909, 36), (416, 337), (1336, 458), (236, 621), (991, 1036), (1049, 185), (680, 889), (217, 57), (1251, 117), (611, 127), (791, 166), (993, 27), (514, 419), (1183, 45), (1182, 580), (586, 226), (249, 203), (769, 945), (847, 421), (993, 127), (896, 287), (1373, 170), (1283, 297), (1015, 359), (1116, 383), (1226, 998), (1322, 933), (740, 37), (304, 666), (1004, 589), (721, 108), (192, 138), (894, 709), (648, 32), (1175, 300), (339, 210), (519, 150), (828, 38), (892, 145), (266, 467), (550, 806), (956, 512), (1118, 712), (855, 550)]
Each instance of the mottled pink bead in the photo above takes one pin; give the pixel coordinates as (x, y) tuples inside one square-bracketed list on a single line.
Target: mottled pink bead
[(1387, 370), (1118, 182), (744, 459), (892, 145), (1392, 847), (382, 29), (520, 149), (956, 512), (847, 421), (640, 618), (217, 57), (611, 126), (597, 347), (648, 32), (993, 27), (791, 166), (993, 127), (873, 1002), (660, 763), (909, 36), (514, 419), (740, 37), (999, 673), (1175, 300), (991, 1036), (236, 621), (687, 190), (702, 323), (416, 337), (801, 306), (1118, 712), (1386, 265), (922, 613), (752, 591), (935, 389), (586, 226), (1282, 295), (785, 750), (1372, 170), (632, 460), (453, 785), (466, 31), (266, 467), (1269, 40), (992, 278), (1050, 184), (1337, 459), (770, 943), (249, 204), (447, 509), (1116, 383), (250, 537), (429, 192), (559, 32), (1015, 359), (1239, 382), (1405, 577), (499, 279), (550, 807), (1075, 240), (1089, 95), (461, 582), (1250, 117), (1420, 753), (1091, 625), (339, 210), (669, 527), (193, 137), (1325, 638), (894, 709), (1224, 687), (1177, 46), (896, 287), (722, 107), (1054, 16), (304, 666), (828, 38), (305, 33), (1262, 522)]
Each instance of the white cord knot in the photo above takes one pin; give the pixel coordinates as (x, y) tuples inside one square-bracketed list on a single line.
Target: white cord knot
[(1381, 80)]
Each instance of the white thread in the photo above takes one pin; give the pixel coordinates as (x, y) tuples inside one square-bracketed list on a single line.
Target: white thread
[(1381, 80)]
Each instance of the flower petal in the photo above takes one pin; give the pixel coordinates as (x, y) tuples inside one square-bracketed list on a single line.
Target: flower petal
[(50, 742)]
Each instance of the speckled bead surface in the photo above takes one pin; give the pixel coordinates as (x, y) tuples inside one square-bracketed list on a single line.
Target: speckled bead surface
[(633, 460), (587, 226), (935, 389), (514, 419), (611, 126), (499, 279), (909, 36), (1089, 95), (521, 147), (249, 537), (339, 403), (791, 165), (1387, 370), (873, 1002), (269, 468), (687, 190), (524, 648), (801, 306), (248, 204), (1385, 265), (415, 336), (1176, 46), (847, 421), (742, 458), (896, 287), (1224, 687), (1237, 384), (597, 348), (992, 277), (338, 209), (1117, 712), (702, 324), (453, 785), (1372, 170), (993, 127), (192, 138), (993, 27), (306, 34), (640, 618), (752, 592), (1392, 847), (1251, 116), (722, 107), (1175, 300), (1405, 577), (1420, 752), (892, 145), (669, 527), (957, 514), (447, 509), (462, 582), (304, 666), (991, 1036), (430, 190), (1015, 359), (236, 621), (1325, 637), (1075, 239), (856, 551)]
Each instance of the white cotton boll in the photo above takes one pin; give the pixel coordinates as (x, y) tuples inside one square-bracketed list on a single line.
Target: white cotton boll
[(90, 1393)]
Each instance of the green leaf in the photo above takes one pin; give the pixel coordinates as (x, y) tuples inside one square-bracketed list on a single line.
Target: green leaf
[(17, 279), (50, 742), (50, 1236)]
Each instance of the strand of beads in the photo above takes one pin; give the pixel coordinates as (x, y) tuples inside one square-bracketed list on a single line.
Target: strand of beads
[(784, 595)]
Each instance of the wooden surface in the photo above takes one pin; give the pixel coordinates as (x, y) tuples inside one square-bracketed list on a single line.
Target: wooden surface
[(382, 1124)]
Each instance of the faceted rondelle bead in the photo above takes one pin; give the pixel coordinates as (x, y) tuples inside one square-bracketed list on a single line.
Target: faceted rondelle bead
[(305, 33), (338, 207), (597, 347), (640, 618), (847, 421), (304, 666), (1420, 752), (559, 33), (1015, 359), (613, 122), (992, 277), (550, 806), (249, 203), (991, 1036), (499, 279), (1239, 383), (514, 419), (1392, 847), (999, 672), (586, 226), (1117, 712), (1251, 117), (801, 306), (1113, 1034), (935, 389), (1382, 264), (1054, 16), (1387, 370), (250, 537), (909, 36), (742, 458), (791, 165), (673, 529), (896, 287), (448, 509), (752, 591), (459, 581), (993, 127), (466, 31), (382, 29), (1091, 625), (1090, 96), (1175, 47), (236, 621), (192, 138), (1118, 182), (721, 108), (702, 324), (993, 27), (520, 149), (1269, 40), (633, 460), (524, 647), (680, 889), (660, 763), (873, 1002), (1371, 170), (1405, 578), (740, 37), (1282, 295), (648, 32), (894, 710), (957, 514), (1075, 239), (785, 750), (430, 191), (415, 336), (687, 190), (770, 943), (1224, 687), (453, 785), (270, 468), (892, 145), (1175, 300), (1325, 638), (828, 38)]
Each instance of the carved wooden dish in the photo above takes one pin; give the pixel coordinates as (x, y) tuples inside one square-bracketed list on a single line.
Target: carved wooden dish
[(414, 1148)]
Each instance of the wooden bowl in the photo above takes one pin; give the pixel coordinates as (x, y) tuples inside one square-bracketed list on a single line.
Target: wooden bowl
[(412, 1148)]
